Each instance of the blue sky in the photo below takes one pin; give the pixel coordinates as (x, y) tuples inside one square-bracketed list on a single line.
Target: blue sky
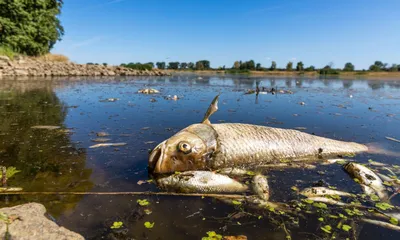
[(313, 31)]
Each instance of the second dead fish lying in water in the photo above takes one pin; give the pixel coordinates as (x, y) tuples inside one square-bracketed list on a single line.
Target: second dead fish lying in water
[(108, 145), (323, 191), (201, 181), (261, 187), (367, 179)]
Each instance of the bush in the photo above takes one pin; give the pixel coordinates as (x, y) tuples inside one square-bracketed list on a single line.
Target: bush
[(6, 51)]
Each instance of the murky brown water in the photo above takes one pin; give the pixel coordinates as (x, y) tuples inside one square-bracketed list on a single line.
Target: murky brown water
[(58, 160)]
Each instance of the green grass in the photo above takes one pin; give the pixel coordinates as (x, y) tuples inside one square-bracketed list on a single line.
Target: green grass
[(6, 51)]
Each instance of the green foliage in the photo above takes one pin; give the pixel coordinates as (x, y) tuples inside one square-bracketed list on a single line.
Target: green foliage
[(117, 225), (326, 228), (211, 235), (149, 225), (327, 70), (10, 172), (273, 66), (139, 66), (348, 67), (6, 51), (183, 65), (30, 27), (258, 66), (384, 206), (289, 66), (191, 65), (310, 68), (346, 228), (203, 65), (105, 64), (143, 202), (394, 221), (160, 65), (300, 66), (173, 65)]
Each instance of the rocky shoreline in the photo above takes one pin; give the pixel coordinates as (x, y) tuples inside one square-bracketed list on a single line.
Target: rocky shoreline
[(24, 66)]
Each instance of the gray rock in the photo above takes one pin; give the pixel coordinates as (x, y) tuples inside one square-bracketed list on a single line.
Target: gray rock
[(27, 222)]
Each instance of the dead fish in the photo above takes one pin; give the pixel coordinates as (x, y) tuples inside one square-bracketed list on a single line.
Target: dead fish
[(201, 181), (233, 171), (367, 178), (10, 189), (392, 139), (382, 224), (102, 134), (261, 187), (323, 191), (377, 164), (46, 127), (148, 91), (109, 100), (101, 140), (328, 201), (215, 146), (288, 165), (108, 145)]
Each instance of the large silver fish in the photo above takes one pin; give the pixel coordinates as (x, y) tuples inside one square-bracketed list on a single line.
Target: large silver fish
[(214, 146)]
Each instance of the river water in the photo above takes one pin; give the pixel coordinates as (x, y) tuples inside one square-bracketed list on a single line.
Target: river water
[(365, 111)]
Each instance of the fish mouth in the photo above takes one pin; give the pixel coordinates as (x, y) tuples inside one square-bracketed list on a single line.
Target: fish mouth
[(155, 158)]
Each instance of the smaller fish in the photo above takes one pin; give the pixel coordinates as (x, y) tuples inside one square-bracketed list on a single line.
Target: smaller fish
[(261, 187), (233, 171), (10, 189), (46, 127), (392, 139), (382, 224), (108, 145), (323, 191), (328, 201), (368, 178), (101, 140), (201, 181), (377, 164), (148, 91)]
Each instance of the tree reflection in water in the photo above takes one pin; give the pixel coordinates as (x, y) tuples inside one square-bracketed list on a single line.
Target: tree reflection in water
[(48, 160)]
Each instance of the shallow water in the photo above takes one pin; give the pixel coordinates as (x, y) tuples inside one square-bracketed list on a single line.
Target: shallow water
[(364, 111)]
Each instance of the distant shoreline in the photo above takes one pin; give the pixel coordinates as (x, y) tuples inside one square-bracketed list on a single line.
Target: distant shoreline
[(350, 75)]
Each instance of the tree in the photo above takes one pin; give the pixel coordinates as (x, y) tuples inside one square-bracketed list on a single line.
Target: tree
[(203, 65), (310, 68), (258, 66), (150, 64), (30, 27), (199, 65), (394, 68), (273, 66), (173, 65), (348, 67), (251, 65), (105, 64), (183, 65), (160, 65), (289, 66), (300, 66), (191, 65), (236, 65), (374, 68)]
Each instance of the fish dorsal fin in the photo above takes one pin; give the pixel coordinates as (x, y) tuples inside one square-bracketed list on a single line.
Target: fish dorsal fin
[(211, 109)]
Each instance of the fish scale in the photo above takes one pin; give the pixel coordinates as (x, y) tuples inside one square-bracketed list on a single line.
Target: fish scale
[(249, 144)]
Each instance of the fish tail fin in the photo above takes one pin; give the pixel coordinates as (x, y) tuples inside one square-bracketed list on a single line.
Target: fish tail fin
[(376, 148)]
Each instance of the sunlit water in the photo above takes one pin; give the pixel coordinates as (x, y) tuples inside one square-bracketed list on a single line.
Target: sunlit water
[(364, 111)]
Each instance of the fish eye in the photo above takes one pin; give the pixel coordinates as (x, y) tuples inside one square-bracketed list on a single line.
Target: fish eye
[(184, 147)]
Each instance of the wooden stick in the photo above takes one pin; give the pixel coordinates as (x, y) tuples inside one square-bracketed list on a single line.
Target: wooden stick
[(4, 176), (128, 193)]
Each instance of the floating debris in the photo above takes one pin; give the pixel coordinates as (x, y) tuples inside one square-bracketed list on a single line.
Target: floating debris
[(302, 103), (153, 100), (108, 145), (47, 127), (169, 97), (109, 100), (101, 140), (323, 191), (148, 91), (102, 134), (392, 139), (11, 189), (300, 128)]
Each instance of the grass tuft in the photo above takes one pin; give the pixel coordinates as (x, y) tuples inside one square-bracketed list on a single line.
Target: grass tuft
[(6, 51)]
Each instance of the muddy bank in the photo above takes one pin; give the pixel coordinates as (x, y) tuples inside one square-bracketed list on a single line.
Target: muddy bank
[(24, 66)]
